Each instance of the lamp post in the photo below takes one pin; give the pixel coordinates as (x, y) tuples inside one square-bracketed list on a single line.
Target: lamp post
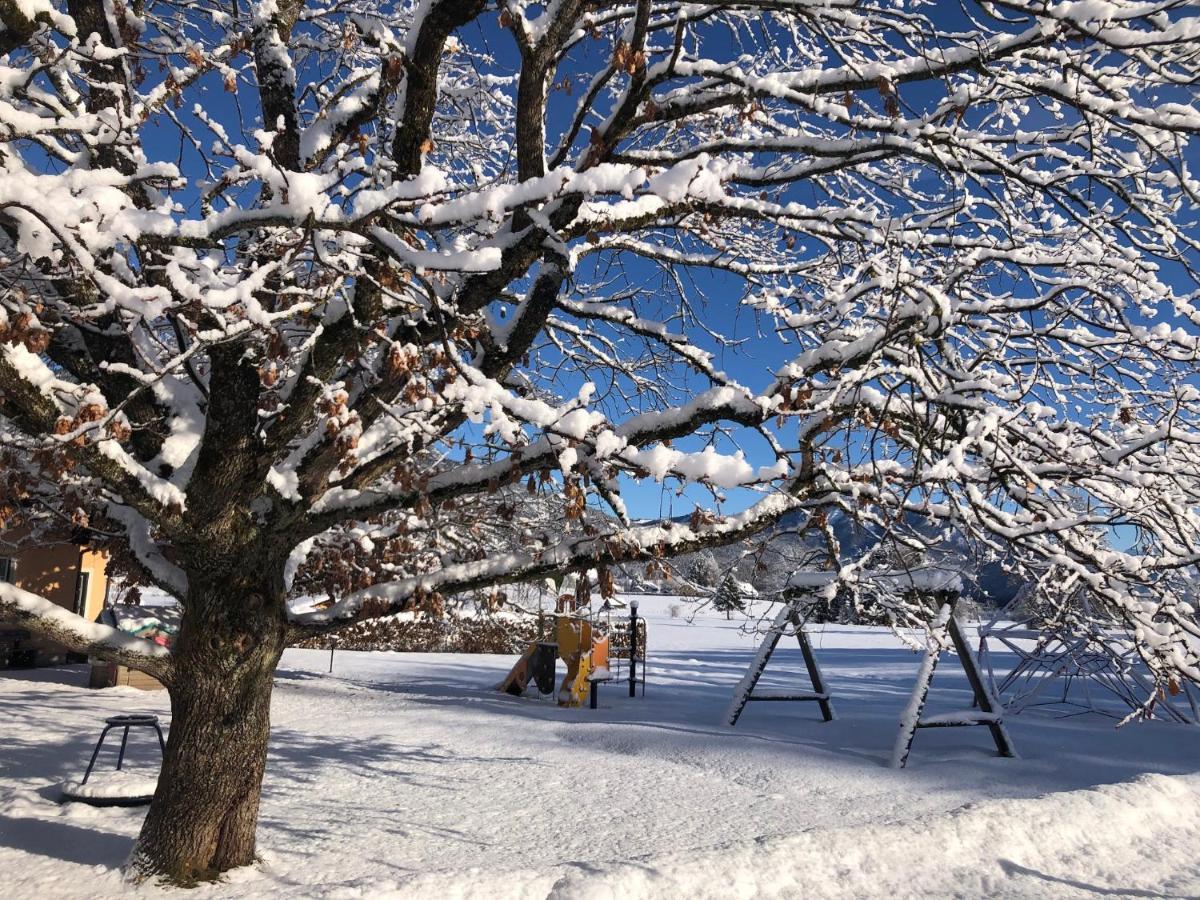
[(633, 647)]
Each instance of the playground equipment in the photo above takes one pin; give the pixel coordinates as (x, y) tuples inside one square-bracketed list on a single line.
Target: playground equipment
[(121, 787), (939, 589), (1073, 664), (791, 613), (585, 651), (946, 633), (536, 664), (585, 643)]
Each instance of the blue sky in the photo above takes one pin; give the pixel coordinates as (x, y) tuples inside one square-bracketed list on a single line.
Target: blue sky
[(719, 295)]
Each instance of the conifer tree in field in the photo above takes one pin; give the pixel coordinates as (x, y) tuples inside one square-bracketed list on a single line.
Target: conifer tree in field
[(729, 596)]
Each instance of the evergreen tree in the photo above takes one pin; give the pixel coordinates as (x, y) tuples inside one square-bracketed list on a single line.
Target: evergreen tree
[(730, 596)]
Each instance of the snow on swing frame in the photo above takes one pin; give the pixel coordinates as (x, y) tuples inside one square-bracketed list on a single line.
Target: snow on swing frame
[(918, 587)]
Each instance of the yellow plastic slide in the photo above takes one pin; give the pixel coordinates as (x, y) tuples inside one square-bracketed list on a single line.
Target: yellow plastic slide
[(573, 636), (518, 676)]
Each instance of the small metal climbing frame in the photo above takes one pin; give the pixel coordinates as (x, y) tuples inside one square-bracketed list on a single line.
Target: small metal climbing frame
[(1074, 666)]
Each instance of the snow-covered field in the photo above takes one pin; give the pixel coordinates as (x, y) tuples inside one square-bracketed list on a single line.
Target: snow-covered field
[(405, 775)]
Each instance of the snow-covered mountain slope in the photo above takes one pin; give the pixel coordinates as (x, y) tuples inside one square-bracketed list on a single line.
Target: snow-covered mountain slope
[(785, 550)]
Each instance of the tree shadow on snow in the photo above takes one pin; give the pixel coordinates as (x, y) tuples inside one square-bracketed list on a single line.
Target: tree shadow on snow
[(73, 675), (322, 769), (689, 690), (1013, 869), (62, 840), (42, 743)]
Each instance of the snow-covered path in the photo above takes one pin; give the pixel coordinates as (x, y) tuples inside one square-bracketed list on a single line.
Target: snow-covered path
[(404, 775)]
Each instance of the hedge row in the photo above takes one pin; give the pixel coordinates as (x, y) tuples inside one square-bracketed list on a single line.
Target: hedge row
[(482, 635)]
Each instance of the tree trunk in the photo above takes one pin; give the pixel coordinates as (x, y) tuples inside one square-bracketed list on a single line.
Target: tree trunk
[(203, 819)]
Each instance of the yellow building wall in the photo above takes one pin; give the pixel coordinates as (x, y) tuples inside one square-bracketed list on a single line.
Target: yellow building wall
[(96, 564), (52, 570), (49, 572)]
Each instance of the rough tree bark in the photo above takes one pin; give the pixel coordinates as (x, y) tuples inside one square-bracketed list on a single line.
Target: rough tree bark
[(205, 811)]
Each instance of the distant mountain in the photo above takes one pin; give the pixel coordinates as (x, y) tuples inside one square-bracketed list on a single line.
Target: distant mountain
[(769, 559)]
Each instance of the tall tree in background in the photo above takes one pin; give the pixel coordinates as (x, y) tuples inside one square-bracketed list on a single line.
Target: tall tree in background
[(283, 277), (704, 570), (730, 596)]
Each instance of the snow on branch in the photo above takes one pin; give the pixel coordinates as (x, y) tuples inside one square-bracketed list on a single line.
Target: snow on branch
[(49, 620), (398, 290), (568, 555)]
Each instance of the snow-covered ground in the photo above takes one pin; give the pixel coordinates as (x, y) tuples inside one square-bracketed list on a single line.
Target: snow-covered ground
[(405, 775)]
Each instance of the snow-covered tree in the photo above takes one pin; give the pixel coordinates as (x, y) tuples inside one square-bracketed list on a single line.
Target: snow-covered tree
[(704, 570), (282, 277), (731, 595)]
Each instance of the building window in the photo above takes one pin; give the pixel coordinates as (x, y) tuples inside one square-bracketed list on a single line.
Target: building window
[(81, 592), (8, 569)]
